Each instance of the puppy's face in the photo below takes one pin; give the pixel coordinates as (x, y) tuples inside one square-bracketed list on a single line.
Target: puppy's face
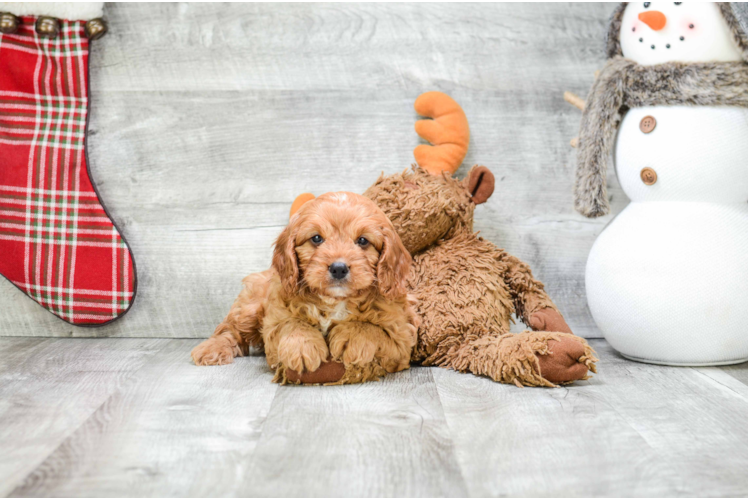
[(341, 245)]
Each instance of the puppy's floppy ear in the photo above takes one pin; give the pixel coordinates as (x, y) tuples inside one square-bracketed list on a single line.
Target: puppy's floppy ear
[(285, 261), (394, 265)]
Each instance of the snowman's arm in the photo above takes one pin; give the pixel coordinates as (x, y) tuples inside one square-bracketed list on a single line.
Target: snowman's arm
[(578, 103), (574, 100), (527, 292)]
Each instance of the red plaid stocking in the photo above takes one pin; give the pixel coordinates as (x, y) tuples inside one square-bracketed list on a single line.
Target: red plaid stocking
[(57, 242)]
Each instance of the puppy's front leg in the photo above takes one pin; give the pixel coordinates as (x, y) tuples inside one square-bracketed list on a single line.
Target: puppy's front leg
[(240, 330), (295, 344), (359, 343)]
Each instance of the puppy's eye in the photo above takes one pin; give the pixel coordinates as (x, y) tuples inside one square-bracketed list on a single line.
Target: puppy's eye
[(362, 242), (647, 4), (317, 239)]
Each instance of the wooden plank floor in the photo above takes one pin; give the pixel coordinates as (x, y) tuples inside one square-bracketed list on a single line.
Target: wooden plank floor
[(134, 417)]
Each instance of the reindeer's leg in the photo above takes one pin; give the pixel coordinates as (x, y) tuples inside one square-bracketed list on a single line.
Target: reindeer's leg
[(529, 358), (531, 303)]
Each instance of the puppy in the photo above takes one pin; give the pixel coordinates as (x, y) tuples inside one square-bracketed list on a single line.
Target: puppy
[(336, 292)]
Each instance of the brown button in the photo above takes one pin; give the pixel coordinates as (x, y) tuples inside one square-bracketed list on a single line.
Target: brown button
[(648, 175), (647, 124)]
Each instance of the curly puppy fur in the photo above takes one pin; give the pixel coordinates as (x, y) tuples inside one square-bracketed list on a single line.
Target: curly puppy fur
[(467, 288), (624, 84), (303, 316)]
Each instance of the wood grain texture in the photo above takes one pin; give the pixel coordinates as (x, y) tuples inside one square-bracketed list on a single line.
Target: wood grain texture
[(49, 387), (175, 430), (740, 371), (386, 439), (134, 417), (207, 120), (633, 430)]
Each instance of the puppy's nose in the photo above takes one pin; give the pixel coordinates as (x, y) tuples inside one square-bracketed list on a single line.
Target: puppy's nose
[(338, 270)]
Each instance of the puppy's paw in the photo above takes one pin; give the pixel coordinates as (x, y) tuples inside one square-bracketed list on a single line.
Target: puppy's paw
[(213, 352), (352, 347), (302, 352), (395, 363)]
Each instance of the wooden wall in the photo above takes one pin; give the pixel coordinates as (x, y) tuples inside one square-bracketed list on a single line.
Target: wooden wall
[(208, 119)]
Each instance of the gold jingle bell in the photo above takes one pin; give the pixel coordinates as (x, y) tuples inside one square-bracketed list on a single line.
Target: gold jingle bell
[(96, 28), (8, 23), (47, 27)]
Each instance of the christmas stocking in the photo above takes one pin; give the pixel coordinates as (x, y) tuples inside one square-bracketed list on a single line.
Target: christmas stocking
[(57, 242)]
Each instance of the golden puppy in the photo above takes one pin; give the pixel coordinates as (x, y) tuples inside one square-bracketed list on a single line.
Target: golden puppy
[(336, 291)]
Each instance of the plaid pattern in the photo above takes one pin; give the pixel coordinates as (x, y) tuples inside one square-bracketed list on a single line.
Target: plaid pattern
[(57, 243)]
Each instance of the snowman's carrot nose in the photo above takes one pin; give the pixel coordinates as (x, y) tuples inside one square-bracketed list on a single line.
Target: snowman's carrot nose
[(654, 19)]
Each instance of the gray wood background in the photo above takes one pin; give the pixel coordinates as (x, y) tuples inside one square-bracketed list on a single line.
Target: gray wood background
[(208, 119)]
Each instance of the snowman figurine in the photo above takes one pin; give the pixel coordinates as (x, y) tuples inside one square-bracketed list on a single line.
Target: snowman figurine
[(667, 279)]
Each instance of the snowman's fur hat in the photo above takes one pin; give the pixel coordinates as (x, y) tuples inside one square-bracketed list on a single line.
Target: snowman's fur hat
[(623, 84), (740, 13)]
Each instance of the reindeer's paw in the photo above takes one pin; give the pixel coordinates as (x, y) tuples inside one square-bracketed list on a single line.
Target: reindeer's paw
[(567, 359)]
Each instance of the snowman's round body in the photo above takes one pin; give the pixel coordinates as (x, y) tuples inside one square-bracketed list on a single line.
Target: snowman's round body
[(667, 279)]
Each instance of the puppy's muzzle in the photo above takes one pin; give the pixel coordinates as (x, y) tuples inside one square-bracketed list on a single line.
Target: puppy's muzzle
[(338, 270)]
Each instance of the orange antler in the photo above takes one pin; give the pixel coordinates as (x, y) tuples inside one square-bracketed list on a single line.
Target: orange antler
[(447, 131), (300, 200)]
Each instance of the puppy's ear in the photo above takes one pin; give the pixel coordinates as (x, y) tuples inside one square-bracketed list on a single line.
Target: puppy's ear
[(285, 261), (394, 265)]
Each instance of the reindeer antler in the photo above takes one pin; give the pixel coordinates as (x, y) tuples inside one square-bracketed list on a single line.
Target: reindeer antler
[(300, 200), (447, 131)]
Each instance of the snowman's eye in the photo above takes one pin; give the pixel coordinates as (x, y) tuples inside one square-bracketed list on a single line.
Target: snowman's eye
[(647, 4)]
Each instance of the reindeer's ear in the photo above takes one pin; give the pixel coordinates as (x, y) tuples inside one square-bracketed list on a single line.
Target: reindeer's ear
[(480, 184), (285, 261)]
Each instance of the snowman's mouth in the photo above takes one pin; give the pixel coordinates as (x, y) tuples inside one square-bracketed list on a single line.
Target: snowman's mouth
[(667, 45)]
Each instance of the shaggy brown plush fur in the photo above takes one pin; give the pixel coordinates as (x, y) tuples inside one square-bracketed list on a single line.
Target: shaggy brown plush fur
[(467, 288), (624, 84)]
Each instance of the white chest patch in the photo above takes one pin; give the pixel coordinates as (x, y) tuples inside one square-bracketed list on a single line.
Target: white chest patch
[(338, 313)]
